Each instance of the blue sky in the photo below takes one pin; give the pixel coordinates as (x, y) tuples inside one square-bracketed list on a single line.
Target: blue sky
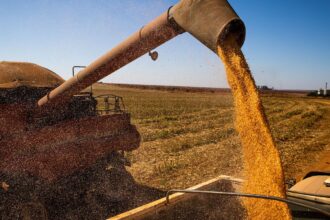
[(287, 43)]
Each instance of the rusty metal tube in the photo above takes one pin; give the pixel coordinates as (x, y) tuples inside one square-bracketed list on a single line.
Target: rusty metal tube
[(147, 38), (210, 21)]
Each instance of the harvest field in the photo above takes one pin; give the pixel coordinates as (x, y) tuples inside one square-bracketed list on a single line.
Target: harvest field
[(189, 137)]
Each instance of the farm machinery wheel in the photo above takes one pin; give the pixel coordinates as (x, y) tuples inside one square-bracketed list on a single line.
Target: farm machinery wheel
[(20, 198)]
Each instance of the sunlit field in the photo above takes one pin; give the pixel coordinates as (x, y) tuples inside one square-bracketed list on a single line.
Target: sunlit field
[(189, 137)]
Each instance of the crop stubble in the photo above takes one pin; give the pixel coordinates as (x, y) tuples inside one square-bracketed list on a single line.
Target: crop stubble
[(299, 138)]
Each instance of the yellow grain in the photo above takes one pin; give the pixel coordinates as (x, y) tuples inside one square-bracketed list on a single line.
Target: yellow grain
[(262, 165)]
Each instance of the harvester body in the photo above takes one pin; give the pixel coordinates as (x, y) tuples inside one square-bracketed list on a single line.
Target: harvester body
[(54, 144)]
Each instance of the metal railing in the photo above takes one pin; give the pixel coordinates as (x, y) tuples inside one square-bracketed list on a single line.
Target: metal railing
[(109, 103), (236, 194)]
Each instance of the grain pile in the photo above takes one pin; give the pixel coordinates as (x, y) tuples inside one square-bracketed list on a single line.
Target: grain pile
[(262, 166)]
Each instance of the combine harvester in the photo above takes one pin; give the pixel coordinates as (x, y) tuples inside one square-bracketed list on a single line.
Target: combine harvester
[(50, 129)]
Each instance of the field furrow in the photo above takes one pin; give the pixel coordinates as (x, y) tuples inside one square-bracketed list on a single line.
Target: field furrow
[(188, 137)]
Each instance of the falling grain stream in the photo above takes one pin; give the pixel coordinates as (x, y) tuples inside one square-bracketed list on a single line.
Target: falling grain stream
[(262, 166)]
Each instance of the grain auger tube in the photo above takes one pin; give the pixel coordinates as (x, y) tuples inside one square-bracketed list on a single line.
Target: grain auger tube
[(210, 21)]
